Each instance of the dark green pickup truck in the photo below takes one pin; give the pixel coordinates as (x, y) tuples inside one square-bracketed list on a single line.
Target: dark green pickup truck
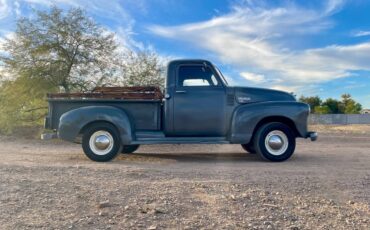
[(197, 106)]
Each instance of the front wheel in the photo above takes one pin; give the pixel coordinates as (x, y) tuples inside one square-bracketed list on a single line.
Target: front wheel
[(275, 142), (101, 142)]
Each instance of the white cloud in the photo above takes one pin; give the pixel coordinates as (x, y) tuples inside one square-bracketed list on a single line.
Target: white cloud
[(4, 9), (361, 33), (17, 8), (49, 3), (124, 37), (256, 78), (333, 6), (4, 75), (113, 10), (258, 38), (6, 35)]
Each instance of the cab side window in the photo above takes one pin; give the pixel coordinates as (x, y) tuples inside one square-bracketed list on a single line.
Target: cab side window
[(197, 75)]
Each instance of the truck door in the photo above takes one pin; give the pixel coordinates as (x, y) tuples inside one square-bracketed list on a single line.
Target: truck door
[(199, 102)]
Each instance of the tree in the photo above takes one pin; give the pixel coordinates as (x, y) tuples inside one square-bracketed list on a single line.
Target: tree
[(140, 69), (70, 51), (322, 109), (347, 105), (51, 52), (313, 102), (57, 51), (22, 103), (333, 105), (350, 106)]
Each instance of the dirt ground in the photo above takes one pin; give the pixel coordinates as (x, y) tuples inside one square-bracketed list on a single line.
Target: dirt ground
[(52, 185)]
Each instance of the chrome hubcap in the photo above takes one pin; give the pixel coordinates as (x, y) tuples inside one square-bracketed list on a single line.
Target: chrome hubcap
[(101, 142), (276, 142)]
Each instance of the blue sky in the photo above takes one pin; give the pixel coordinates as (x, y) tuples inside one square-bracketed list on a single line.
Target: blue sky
[(306, 47)]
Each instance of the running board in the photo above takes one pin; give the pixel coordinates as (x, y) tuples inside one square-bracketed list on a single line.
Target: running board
[(181, 140), (149, 134)]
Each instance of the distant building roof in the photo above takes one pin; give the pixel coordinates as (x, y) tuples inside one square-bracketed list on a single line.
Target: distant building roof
[(365, 111)]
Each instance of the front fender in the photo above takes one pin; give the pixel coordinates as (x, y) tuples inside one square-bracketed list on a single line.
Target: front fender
[(246, 117), (72, 122)]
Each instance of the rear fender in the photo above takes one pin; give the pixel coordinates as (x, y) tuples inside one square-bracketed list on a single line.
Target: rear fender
[(72, 122), (246, 118)]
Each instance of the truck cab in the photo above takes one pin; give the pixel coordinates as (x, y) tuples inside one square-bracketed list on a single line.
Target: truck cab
[(196, 100), (197, 106)]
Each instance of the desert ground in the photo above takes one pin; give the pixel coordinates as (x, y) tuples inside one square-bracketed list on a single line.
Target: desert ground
[(52, 185)]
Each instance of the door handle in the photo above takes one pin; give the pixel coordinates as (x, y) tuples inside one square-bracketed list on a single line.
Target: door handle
[(180, 91)]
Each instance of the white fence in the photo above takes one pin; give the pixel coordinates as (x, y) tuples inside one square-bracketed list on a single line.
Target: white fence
[(339, 119)]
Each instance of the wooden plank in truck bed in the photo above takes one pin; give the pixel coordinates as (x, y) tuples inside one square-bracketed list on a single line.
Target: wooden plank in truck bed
[(137, 92)]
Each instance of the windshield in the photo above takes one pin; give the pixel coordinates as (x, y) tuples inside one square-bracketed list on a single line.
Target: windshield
[(221, 75)]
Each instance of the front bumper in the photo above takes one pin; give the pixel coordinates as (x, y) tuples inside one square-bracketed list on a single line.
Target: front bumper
[(312, 135)]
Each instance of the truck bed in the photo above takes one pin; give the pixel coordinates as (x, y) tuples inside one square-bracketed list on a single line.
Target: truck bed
[(142, 105)]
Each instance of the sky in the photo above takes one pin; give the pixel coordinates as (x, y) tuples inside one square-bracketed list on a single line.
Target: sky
[(307, 47)]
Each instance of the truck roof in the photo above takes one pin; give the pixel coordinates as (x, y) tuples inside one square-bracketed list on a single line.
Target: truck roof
[(177, 61)]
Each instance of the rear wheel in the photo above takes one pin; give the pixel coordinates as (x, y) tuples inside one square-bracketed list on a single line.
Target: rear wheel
[(249, 148), (101, 142), (275, 142), (129, 148)]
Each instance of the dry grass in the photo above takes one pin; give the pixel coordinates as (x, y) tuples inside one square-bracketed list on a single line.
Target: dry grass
[(341, 129)]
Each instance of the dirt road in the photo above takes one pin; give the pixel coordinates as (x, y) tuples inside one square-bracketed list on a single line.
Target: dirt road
[(325, 185)]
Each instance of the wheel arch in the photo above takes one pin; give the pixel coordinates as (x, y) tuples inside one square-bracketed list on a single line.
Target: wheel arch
[(248, 118), (74, 122), (88, 125), (281, 119)]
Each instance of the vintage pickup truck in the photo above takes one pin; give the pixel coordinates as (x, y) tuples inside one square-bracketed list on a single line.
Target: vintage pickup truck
[(197, 106)]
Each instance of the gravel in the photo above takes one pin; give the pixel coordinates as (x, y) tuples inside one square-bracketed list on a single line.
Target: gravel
[(51, 184)]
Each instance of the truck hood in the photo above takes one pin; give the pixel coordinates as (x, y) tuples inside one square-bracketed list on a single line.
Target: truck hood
[(252, 95)]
